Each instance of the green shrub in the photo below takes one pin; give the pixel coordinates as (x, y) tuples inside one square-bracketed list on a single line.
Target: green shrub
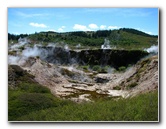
[(22, 48), (122, 68), (33, 88), (96, 68), (104, 69), (117, 88), (37, 57), (143, 107), (85, 67), (131, 85), (25, 103)]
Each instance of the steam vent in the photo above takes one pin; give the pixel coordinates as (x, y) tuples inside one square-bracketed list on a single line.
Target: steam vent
[(114, 58)]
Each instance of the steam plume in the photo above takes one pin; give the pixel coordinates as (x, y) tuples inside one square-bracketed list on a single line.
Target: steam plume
[(106, 44), (152, 49)]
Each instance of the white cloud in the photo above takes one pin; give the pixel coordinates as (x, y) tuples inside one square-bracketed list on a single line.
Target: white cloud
[(93, 26), (103, 27), (80, 27), (61, 29), (52, 30), (148, 32), (38, 25), (113, 27)]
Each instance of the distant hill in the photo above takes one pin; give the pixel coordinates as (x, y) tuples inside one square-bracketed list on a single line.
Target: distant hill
[(121, 38)]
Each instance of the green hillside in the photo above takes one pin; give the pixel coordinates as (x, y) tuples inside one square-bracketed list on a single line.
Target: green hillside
[(122, 38)]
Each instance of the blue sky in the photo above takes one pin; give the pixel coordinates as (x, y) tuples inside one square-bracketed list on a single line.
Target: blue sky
[(31, 20)]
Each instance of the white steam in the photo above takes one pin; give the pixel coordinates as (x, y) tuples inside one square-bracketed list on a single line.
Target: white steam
[(35, 51), (51, 45), (13, 59), (66, 47), (152, 49), (31, 52), (106, 44), (78, 45), (21, 42)]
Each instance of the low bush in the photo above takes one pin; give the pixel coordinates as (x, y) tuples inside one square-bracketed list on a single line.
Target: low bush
[(117, 88), (96, 68), (105, 69), (143, 107), (33, 88), (131, 85), (85, 67), (32, 102), (122, 68)]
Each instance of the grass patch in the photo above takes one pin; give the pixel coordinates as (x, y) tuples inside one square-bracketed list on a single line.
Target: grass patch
[(140, 108), (27, 99), (33, 88), (30, 101)]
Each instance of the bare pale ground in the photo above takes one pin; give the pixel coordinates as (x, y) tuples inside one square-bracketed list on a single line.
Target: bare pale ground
[(69, 82)]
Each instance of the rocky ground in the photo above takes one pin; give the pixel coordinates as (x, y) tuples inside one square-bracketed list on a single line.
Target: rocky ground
[(70, 82)]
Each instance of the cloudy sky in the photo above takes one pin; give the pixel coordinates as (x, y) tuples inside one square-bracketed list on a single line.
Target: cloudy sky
[(31, 20)]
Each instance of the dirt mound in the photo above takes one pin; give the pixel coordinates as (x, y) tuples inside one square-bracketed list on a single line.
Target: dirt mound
[(16, 75)]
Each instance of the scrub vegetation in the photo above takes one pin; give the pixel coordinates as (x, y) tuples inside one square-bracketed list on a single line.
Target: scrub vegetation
[(124, 38), (30, 101)]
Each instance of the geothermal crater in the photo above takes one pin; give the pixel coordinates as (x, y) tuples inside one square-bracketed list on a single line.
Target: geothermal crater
[(87, 75)]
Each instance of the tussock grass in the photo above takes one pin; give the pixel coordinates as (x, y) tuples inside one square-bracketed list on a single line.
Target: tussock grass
[(26, 106)]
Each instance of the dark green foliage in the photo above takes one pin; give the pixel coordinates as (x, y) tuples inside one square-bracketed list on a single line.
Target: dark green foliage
[(33, 102), (33, 88), (131, 85), (105, 69), (100, 69), (102, 33), (79, 33), (125, 38), (26, 95), (140, 108), (68, 73), (117, 88), (85, 67), (96, 68), (16, 37), (22, 48), (22, 102), (134, 31), (122, 68)]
